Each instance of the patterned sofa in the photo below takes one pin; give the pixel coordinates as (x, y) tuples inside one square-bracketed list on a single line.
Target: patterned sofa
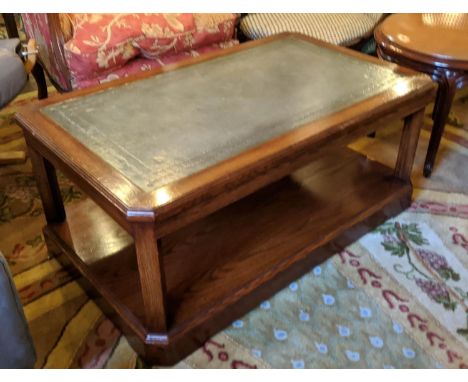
[(81, 50)]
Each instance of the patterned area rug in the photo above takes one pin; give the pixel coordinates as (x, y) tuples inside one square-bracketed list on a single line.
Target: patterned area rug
[(396, 298)]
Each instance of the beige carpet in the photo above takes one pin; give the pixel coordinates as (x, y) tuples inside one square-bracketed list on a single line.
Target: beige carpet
[(396, 298)]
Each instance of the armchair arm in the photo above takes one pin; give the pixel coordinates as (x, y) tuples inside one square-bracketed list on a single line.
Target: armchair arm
[(47, 30), (30, 65), (31, 56)]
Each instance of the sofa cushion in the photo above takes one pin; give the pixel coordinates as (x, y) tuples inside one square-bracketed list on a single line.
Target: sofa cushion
[(16, 346), (12, 74), (336, 28), (105, 42), (141, 64)]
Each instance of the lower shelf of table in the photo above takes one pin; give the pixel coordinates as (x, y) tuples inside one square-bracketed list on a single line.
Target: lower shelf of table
[(224, 264)]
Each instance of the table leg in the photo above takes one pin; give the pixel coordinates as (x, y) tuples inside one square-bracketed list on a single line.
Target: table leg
[(408, 145), (46, 179), (152, 278), (445, 94)]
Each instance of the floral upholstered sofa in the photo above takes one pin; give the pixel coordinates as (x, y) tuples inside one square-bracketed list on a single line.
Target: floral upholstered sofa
[(81, 50)]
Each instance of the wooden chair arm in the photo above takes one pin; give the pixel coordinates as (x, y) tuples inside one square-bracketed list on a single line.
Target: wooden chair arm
[(31, 56)]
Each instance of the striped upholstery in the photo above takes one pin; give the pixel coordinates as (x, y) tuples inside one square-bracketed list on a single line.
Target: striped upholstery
[(337, 28)]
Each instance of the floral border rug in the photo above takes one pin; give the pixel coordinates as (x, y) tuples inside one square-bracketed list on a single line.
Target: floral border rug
[(397, 298)]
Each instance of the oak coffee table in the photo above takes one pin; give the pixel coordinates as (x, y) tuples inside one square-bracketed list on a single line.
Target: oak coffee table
[(215, 182)]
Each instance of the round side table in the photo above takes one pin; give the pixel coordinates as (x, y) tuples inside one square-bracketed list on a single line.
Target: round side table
[(436, 44)]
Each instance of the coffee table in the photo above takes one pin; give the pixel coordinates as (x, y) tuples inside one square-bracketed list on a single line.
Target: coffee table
[(433, 43), (216, 182)]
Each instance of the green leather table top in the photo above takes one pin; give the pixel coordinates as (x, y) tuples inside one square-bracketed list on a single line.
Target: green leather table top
[(166, 127)]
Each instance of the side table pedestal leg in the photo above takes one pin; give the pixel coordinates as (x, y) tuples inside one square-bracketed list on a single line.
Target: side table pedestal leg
[(445, 94)]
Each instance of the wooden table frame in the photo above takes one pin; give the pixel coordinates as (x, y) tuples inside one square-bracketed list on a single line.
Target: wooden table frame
[(150, 299)]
